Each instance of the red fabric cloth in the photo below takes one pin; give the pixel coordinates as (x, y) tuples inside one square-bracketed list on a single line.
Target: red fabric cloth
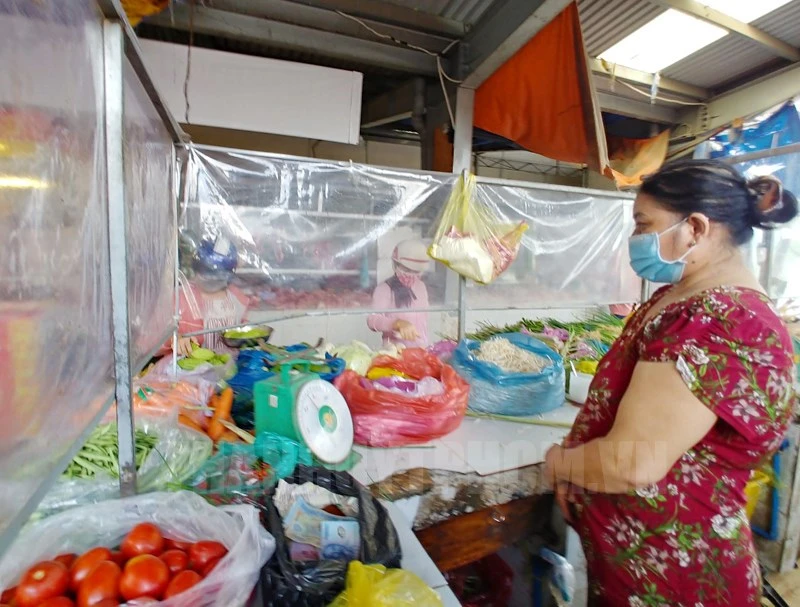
[(686, 542)]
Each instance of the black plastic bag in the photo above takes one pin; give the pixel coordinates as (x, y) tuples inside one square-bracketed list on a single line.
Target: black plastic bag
[(284, 583)]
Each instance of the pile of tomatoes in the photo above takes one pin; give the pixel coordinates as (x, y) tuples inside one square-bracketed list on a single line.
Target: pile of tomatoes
[(147, 568)]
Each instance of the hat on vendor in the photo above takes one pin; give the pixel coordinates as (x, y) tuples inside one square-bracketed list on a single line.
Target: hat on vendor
[(412, 255)]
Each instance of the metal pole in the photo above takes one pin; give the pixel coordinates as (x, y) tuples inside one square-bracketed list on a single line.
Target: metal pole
[(462, 162), (113, 52)]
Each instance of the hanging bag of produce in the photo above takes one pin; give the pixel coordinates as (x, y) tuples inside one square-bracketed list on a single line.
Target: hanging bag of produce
[(231, 534), (407, 400), (511, 374), (471, 239), (289, 583)]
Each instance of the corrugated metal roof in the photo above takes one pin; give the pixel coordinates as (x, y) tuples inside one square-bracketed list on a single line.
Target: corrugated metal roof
[(606, 22), (734, 56), (464, 11)]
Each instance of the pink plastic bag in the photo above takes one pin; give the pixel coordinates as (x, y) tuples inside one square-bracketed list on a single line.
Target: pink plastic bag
[(386, 419)]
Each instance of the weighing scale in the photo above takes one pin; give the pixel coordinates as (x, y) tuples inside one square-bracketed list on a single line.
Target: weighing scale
[(301, 406)]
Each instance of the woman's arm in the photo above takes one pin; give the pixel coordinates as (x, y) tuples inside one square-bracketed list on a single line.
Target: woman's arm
[(381, 300), (659, 419)]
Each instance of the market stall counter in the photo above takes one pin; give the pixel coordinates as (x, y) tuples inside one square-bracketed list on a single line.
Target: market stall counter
[(471, 493)]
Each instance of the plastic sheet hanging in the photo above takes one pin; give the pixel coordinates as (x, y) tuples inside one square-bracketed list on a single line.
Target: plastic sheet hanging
[(493, 390), (574, 255), (55, 300), (309, 235), (471, 239)]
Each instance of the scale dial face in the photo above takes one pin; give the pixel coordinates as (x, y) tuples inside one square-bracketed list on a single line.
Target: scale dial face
[(323, 420)]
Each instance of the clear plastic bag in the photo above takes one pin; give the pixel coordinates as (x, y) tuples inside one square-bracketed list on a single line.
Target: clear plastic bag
[(471, 240), (498, 392), (181, 516), (377, 586), (179, 453)]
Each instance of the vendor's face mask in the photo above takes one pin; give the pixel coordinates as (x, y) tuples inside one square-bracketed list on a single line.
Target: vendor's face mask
[(647, 262), (406, 278)]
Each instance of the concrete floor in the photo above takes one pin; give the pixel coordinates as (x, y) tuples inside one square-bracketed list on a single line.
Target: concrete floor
[(788, 585)]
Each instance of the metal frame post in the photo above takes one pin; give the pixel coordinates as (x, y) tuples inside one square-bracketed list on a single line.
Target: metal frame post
[(113, 53), (462, 163)]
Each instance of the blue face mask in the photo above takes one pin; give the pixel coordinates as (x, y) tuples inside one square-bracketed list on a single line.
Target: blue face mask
[(647, 262)]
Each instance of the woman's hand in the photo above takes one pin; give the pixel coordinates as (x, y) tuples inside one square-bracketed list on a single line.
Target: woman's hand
[(406, 330), (561, 488), (185, 346)]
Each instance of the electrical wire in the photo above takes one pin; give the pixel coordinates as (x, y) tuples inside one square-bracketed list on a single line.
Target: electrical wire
[(664, 99), (189, 60), (439, 69)]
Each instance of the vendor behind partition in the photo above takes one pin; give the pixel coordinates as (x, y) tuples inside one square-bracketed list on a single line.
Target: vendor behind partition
[(404, 291), (208, 301)]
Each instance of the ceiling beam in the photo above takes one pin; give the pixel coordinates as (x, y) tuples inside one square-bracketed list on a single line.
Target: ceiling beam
[(747, 100), (327, 20), (297, 38), (715, 17), (392, 106), (641, 110), (501, 33), (645, 79), (388, 12)]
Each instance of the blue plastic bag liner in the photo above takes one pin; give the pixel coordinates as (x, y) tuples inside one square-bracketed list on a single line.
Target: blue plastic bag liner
[(495, 391)]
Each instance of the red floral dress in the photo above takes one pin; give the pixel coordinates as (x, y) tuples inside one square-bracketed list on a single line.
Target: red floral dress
[(686, 541)]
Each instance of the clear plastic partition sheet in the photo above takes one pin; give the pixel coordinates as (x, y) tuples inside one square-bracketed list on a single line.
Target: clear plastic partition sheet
[(574, 253), (55, 303), (784, 272), (151, 209), (305, 235)]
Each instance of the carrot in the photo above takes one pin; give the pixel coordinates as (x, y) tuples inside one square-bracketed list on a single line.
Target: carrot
[(190, 423), (222, 411), (230, 437)]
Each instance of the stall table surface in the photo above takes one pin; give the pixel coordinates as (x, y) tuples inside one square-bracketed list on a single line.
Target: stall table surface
[(472, 492)]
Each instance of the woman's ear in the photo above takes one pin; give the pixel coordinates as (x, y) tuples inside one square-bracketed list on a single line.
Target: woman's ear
[(700, 226)]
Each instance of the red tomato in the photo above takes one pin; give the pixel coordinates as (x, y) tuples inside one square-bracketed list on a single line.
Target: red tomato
[(101, 584), (210, 566), (66, 559), (118, 558), (84, 564), (182, 582), (107, 603), (176, 560), (59, 601), (142, 600), (43, 581), (144, 538), (178, 545), (201, 553), (8, 595), (144, 575)]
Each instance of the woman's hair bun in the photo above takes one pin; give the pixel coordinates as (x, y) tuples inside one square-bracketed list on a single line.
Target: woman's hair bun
[(770, 204)]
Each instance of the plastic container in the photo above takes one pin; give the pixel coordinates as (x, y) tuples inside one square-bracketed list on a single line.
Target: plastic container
[(753, 491), (579, 384)]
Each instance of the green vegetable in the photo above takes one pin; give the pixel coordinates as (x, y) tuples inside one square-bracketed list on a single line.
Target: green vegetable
[(248, 334), (190, 364), (203, 354), (100, 453)]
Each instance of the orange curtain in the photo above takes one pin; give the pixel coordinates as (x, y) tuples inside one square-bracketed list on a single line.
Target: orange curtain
[(632, 159), (543, 98)]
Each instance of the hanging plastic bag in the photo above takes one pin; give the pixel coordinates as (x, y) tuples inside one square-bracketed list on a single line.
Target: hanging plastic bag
[(493, 390), (181, 516), (285, 583), (471, 240), (376, 586), (386, 419)]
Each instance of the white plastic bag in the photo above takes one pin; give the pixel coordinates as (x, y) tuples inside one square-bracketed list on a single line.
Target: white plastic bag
[(181, 516)]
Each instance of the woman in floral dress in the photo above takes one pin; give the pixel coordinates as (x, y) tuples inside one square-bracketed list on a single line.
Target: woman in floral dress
[(695, 395)]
